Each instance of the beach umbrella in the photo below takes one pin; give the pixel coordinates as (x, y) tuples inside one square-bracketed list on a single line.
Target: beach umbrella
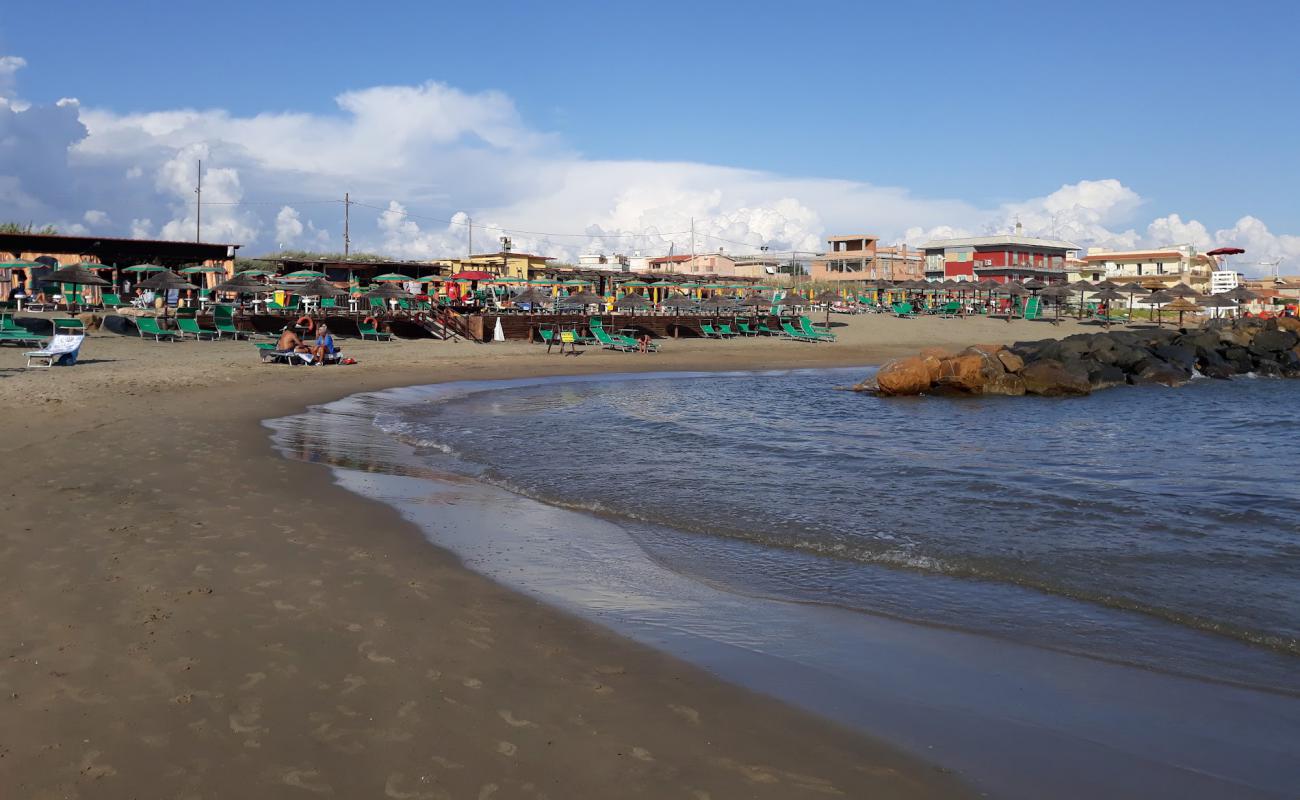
[(1241, 294), (1107, 284), (391, 277), (256, 272), (1082, 287), (1159, 299), (166, 281), (828, 296), (21, 263), (1108, 295), (678, 301), (1182, 305), (196, 269), (145, 268), (1183, 290), (532, 297), (1033, 284), (242, 284), (631, 301), (77, 275), (1059, 292), (581, 300), (389, 291), (316, 288), (790, 299), (303, 275), (1131, 289)]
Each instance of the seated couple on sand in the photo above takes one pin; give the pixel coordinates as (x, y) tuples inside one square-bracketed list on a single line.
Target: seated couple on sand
[(322, 351)]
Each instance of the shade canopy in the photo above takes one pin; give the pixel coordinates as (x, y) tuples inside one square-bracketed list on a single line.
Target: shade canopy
[(1082, 286), (1242, 294), (1217, 301), (790, 299), (581, 299), (1131, 288), (166, 282), (145, 268), (1057, 290), (392, 277), (316, 288), (242, 283), (76, 275), (1109, 294), (532, 296), (631, 300), (1226, 251), (389, 291), (196, 269), (1034, 283), (262, 272), (304, 274), (828, 296), (1158, 298), (22, 264), (1183, 290), (676, 300)]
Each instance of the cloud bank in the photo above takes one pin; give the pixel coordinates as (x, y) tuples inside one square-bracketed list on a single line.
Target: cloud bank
[(429, 163)]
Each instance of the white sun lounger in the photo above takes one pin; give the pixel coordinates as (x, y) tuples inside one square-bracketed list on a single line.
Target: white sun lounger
[(62, 348)]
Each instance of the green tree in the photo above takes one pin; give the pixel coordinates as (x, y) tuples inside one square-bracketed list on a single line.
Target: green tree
[(18, 227)]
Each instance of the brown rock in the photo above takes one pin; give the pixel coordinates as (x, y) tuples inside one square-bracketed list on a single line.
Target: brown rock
[(991, 349), (1289, 324), (1006, 384), (934, 365), (1052, 379), (902, 376), (867, 385), (1011, 361), (936, 352), (969, 371), (89, 321)]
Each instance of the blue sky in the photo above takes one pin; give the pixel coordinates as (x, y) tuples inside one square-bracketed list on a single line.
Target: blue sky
[(1193, 107)]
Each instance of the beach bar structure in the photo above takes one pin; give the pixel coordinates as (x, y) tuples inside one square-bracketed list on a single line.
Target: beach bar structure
[(1002, 258), (55, 250)]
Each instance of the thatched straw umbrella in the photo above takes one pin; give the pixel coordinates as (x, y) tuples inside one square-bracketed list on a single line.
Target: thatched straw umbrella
[(632, 302), (1159, 299), (1182, 305), (532, 297), (1082, 287), (1108, 295), (1183, 290), (1059, 293), (242, 284), (316, 287), (677, 300)]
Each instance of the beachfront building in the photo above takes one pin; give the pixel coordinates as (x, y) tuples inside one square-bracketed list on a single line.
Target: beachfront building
[(503, 264), (861, 258), (1179, 263), (605, 263), (54, 251), (1002, 258)]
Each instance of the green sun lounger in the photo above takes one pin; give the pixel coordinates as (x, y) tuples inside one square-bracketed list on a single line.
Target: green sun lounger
[(816, 331), (223, 319), (189, 326), (148, 326), (13, 333), (367, 329), (904, 310), (796, 334), (108, 300)]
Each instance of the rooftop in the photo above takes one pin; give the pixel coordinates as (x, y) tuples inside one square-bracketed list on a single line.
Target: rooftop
[(1000, 239)]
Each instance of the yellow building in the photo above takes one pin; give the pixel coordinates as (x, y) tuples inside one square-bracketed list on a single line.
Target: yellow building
[(521, 266)]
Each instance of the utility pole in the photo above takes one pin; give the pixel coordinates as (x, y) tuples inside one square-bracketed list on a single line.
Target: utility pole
[(347, 225), (469, 248), (692, 244), (198, 206)]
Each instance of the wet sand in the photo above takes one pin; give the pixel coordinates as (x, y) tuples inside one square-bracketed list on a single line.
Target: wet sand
[(190, 615)]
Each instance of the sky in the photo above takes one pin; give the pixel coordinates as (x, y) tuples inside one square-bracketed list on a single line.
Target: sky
[(594, 126)]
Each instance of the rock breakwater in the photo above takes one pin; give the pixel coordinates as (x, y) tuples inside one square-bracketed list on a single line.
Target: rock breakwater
[(1083, 363)]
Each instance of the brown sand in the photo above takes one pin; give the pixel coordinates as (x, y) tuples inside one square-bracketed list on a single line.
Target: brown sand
[(186, 614)]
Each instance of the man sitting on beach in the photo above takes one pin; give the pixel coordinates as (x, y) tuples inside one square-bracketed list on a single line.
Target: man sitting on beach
[(324, 345), (290, 343)]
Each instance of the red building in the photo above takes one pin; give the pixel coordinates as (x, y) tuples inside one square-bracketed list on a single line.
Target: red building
[(1003, 258)]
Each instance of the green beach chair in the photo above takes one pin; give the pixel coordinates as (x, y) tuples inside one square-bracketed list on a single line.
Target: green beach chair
[(223, 319), (794, 333), (328, 304), (367, 329), (710, 331), (189, 326), (904, 310), (378, 304), (726, 330), (13, 333), (148, 326), (108, 300), (766, 330), (816, 331), (1033, 308), (609, 340)]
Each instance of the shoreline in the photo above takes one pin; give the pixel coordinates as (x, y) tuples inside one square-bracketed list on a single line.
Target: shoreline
[(565, 557), (186, 600)]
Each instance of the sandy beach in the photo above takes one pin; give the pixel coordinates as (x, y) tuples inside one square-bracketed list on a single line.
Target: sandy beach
[(191, 615)]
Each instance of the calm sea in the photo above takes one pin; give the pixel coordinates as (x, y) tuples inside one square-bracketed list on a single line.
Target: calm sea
[(1071, 598), (1030, 519)]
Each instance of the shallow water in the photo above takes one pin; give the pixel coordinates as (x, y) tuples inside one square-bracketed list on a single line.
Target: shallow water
[(772, 516)]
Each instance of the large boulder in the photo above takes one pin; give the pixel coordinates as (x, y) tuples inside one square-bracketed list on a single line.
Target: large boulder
[(1291, 324), (1273, 341), (1106, 376), (936, 352), (903, 376), (1051, 378), (934, 366), (1010, 361), (969, 371), (1006, 384), (1177, 354), (1162, 373)]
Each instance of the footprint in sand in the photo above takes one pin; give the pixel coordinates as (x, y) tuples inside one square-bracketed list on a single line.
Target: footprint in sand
[(92, 770), (473, 683), (506, 748), (353, 682), (687, 713), (367, 649), (308, 779), (254, 678), (397, 780), (513, 722), (487, 791), (642, 754)]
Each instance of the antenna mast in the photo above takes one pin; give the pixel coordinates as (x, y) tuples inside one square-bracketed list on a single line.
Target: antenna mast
[(198, 205), (347, 223)]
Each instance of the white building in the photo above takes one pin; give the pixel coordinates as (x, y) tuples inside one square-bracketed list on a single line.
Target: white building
[(610, 263), (1177, 263), (1223, 280)]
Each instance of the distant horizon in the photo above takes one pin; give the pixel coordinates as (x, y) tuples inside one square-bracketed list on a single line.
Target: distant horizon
[(1109, 137)]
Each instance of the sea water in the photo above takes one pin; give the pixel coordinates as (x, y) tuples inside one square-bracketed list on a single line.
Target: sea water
[(1147, 531)]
